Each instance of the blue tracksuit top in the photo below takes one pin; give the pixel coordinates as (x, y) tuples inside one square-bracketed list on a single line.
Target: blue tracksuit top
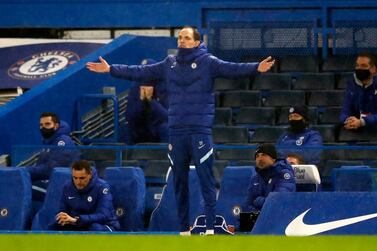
[(189, 78), (93, 204), (360, 100), (278, 178), (297, 143), (55, 157)]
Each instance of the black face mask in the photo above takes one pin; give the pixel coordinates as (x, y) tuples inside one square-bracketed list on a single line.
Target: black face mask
[(47, 132), (297, 125), (362, 74)]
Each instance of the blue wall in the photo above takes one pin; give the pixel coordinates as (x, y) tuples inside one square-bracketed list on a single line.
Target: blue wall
[(159, 13), (19, 119)]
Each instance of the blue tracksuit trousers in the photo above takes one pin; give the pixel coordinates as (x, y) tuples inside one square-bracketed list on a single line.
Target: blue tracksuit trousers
[(182, 149)]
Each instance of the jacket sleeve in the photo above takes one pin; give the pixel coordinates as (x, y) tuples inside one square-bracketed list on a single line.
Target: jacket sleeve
[(371, 120), (159, 111), (139, 73), (220, 68), (254, 192), (104, 211), (347, 103)]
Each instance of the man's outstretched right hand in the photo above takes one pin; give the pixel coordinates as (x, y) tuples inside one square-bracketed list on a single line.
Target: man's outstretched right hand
[(102, 67)]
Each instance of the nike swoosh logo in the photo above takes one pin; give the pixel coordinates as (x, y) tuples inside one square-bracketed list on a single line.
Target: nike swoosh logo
[(297, 227), (200, 147), (70, 198)]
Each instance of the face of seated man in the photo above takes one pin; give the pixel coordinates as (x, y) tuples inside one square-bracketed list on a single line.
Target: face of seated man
[(264, 161), (81, 178)]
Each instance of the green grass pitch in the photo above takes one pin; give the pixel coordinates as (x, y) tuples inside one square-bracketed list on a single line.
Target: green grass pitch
[(103, 242)]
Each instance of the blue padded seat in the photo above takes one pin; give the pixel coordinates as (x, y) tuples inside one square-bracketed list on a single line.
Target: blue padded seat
[(128, 190), (46, 215), (15, 199), (165, 217)]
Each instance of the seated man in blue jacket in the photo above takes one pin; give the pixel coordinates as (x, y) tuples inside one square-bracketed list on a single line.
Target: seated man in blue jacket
[(62, 153), (360, 103), (272, 175), (86, 203), (146, 112), (300, 139)]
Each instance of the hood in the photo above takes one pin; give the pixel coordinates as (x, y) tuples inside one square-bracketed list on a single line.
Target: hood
[(64, 129), (91, 184), (186, 55)]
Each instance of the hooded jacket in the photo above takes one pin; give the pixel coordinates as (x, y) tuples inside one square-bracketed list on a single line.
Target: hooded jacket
[(189, 78), (278, 178), (92, 204), (55, 156), (359, 100)]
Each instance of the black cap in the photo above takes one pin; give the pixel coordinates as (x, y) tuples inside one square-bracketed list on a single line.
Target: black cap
[(301, 110), (268, 149)]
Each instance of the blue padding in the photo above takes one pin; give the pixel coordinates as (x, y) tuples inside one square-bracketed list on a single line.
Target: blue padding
[(164, 217), (128, 190), (355, 178), (50, 208), (233, 192), (325, 213), (15, 199)]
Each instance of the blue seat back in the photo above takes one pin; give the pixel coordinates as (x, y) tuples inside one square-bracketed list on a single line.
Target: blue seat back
[(165, 217), (233, 192), (45, 216), (128, 191), (15, 199), (354, 179)]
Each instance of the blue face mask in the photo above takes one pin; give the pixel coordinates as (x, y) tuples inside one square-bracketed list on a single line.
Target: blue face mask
[(47, 132)]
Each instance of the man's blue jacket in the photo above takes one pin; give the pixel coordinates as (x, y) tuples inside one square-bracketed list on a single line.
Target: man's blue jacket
[(290, 142), (278, 178), (189, 78), (360, 99), (62, 154), (92, 204)]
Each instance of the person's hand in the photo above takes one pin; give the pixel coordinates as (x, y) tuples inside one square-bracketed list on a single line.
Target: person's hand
[(63, 218), (146, 92), (102, 67), (266, 64), (352, 123)]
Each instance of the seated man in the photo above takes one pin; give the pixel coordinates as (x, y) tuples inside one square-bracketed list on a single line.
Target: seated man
[(86, 203), (360, 102), (146, 113), (299, 136), (272, 175), (54, 133)]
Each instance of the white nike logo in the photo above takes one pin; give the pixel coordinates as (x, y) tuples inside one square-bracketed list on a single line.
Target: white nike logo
[(200, 147), (297, 227), (70, 198)]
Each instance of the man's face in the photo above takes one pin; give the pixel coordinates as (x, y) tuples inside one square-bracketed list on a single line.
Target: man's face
[(294, 116), (47, 123), (264, 161), (186, 39), (81, 178)]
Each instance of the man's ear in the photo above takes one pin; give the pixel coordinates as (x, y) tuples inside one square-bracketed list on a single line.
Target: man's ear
[(197, 43), (57, 125)]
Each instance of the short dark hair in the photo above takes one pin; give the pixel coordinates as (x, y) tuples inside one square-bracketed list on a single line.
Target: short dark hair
[(301, 160), (372, 58), (194, 31), (80, 165), (54, 116)]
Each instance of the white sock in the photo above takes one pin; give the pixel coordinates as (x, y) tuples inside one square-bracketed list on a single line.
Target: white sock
[(185, 233), (210, 232)]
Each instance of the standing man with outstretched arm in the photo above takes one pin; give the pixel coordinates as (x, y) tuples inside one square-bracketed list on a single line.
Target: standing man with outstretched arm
[(189, 77)]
